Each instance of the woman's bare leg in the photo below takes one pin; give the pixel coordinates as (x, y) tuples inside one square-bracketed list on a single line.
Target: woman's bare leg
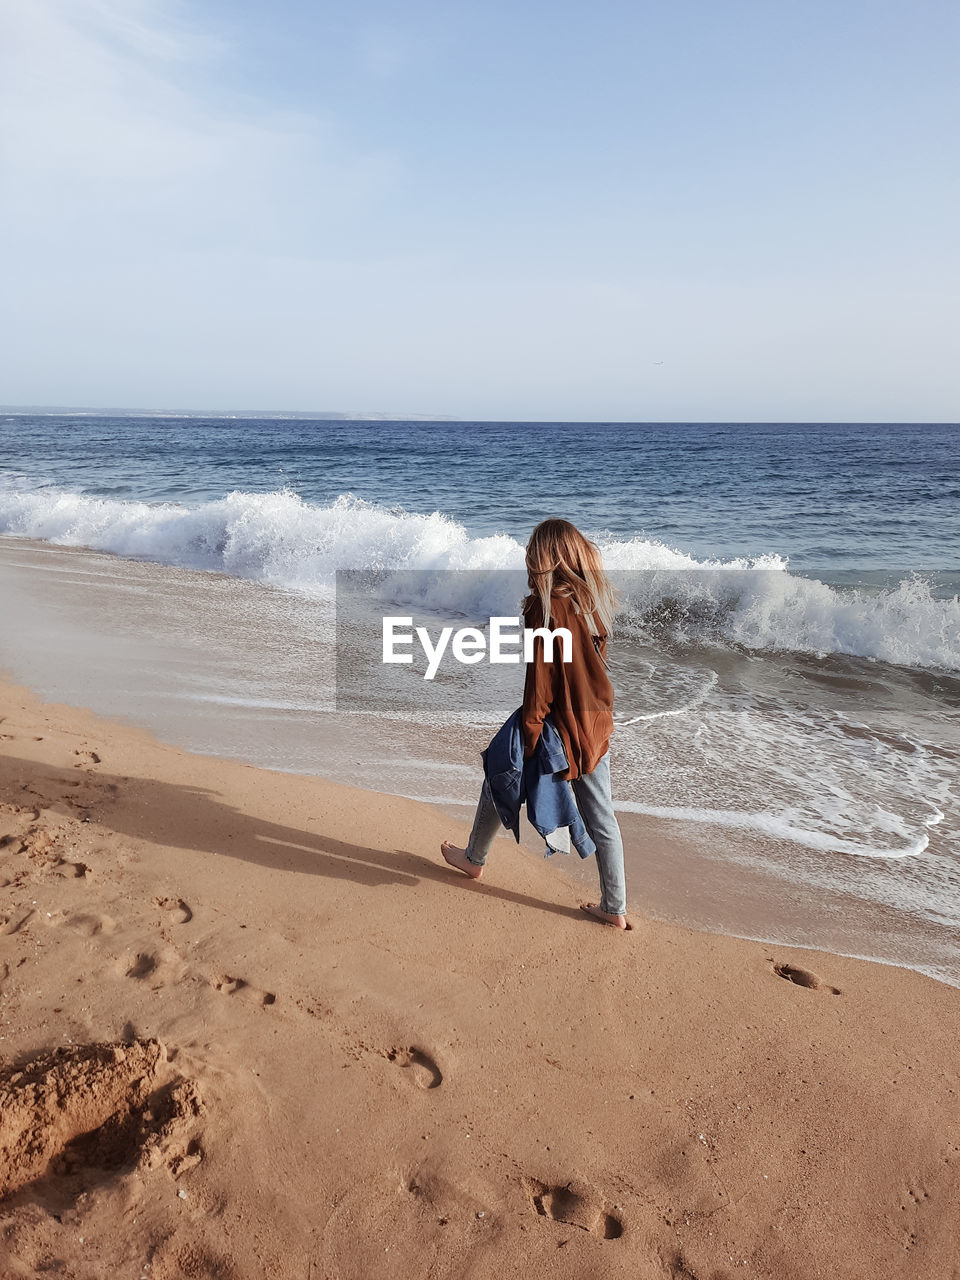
[(486, 824)]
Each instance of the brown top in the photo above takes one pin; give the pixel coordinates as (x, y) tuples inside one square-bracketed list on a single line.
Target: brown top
[(578, 695)]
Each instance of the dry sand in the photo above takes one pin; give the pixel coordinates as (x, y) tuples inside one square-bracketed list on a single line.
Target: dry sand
[(252, 1026)]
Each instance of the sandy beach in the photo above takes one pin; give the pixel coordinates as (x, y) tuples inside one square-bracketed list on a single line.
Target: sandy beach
[(252, 1026), (398, 393)]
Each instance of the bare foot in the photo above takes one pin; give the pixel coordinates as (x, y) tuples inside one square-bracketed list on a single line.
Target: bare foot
[(618, 922), (458, 858)]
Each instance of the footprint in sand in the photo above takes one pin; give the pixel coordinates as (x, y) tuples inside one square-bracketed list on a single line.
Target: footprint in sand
[(575, 1205), (73, 870), (143, 965), (679, 1270), (804, 978), (92, 925), (236, 986), (180, 913), (425, 1072), (14, 923), (85, 922), (157, 969), (15, 823), (86, 758), (408, 1235)]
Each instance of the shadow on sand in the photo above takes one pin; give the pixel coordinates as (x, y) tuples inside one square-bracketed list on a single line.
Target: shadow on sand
[(196, 818)]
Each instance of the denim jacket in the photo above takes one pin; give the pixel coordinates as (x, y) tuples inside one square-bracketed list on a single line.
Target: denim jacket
[(537, 782)]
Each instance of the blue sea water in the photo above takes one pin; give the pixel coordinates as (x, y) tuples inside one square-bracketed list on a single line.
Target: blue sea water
[(787, 663), (826, 496)]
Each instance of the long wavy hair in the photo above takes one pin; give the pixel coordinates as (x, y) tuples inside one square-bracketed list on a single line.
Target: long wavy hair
[(562, 562)]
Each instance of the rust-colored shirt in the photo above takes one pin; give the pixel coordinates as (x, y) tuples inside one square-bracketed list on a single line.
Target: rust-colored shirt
[(577, 695)]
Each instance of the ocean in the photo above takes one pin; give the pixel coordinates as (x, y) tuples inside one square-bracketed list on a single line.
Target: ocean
[(786, 659)]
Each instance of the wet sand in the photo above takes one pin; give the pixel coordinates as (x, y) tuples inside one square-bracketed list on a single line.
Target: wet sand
[(252, 1026), (241, 670)]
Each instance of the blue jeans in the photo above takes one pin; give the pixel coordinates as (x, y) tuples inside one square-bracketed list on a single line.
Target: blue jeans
[(592, 794)]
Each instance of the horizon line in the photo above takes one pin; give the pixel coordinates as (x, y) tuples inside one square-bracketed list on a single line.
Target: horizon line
[(376, 416)]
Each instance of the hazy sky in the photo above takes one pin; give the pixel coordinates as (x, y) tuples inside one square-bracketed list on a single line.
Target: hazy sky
[(622, 209)]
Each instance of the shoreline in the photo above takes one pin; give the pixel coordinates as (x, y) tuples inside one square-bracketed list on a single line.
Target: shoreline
[(378, 1067), (677, 860), (240, 670)]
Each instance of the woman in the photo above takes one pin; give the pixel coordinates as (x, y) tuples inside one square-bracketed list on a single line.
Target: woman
[(568, 588)]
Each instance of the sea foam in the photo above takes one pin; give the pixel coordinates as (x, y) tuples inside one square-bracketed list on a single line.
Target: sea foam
[(282, 540)]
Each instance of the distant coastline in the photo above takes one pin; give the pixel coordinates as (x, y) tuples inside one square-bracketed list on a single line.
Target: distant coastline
[(74, 411)]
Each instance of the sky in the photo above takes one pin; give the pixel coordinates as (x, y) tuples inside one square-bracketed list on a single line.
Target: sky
[(638, 210)]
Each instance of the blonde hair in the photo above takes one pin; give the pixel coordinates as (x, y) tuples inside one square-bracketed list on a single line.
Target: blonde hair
[(561, 561)]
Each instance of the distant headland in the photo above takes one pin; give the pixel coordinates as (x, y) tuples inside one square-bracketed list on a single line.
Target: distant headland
[(80, 411)]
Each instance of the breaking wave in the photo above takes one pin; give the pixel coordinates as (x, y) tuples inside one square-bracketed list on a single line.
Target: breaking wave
[(279, 539)]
